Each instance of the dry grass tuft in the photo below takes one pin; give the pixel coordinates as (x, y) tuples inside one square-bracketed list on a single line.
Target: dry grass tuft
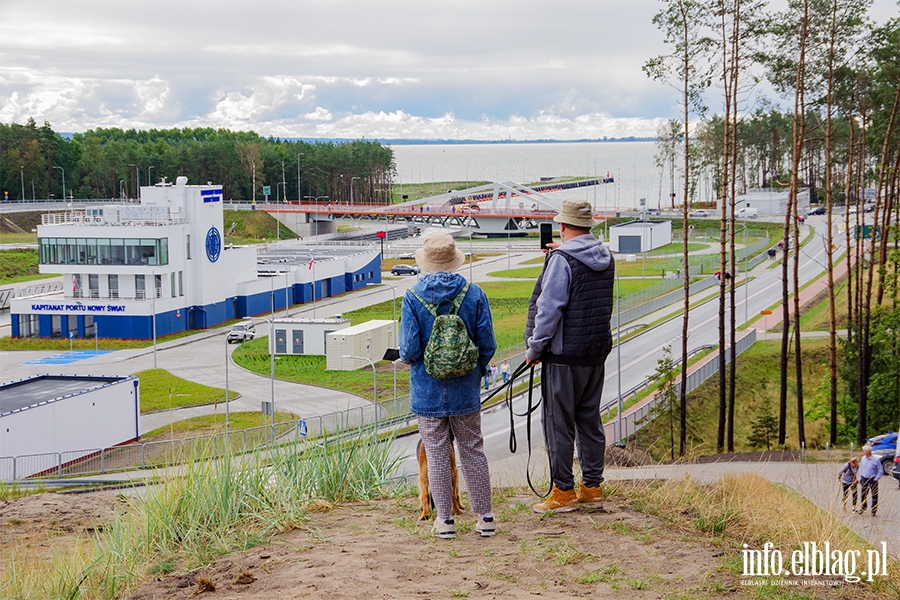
[(751, 510)]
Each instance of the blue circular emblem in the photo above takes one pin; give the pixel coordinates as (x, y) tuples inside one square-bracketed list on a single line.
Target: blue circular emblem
[(213, 244)]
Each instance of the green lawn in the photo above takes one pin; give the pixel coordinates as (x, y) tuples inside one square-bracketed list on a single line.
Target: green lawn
[(160, 390), (757, 381)]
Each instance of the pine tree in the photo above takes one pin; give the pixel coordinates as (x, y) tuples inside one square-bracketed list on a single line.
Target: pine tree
[(764, 428)]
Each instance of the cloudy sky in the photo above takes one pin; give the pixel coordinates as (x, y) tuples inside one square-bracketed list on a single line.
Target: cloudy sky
[(454, 69)]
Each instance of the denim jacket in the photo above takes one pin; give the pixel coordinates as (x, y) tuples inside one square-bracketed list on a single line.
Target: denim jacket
[(430, 397)]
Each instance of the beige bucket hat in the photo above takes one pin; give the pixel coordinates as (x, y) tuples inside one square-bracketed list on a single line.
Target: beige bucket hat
[(439, 253), (576, 213)]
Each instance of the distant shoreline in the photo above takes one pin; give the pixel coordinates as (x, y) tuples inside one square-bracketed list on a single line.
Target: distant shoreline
[(442, 142), (439, 142)]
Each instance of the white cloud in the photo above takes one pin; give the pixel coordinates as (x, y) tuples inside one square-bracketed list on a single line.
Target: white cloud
[(320, 114)]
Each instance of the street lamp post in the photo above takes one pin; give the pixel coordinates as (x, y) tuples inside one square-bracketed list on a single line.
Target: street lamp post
[(149, 181), (746, 276), (471, 256), (227, 414), (299, 181), (63, 180), (22, 175), (121, 190), (137, 179), (374, 384), (277, 221), (271, 323), (619, 354), (351, 189), (316, 198), (153, 308), (394, 306)]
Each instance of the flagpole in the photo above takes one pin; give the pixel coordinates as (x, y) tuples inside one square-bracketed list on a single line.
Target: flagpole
[(313, 262)]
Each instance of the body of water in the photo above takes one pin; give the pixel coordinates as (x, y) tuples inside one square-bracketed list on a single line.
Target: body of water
[(631, 164)]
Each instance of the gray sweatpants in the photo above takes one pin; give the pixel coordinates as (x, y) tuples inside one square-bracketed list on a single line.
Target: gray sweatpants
[(571, 397)]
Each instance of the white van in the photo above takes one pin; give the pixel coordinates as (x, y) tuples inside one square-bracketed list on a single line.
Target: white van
[(747, 213)]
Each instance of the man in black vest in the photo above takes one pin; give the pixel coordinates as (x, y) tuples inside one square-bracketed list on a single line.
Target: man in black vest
[(568, 331)]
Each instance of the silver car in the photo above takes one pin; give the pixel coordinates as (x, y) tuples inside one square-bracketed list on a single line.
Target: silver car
[(241, 332)]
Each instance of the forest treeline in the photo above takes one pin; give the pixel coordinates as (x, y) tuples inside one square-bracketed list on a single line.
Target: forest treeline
[(112, 163), (832, 133)]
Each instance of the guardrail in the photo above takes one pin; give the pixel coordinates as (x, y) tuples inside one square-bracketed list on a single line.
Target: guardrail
[(632, 422)]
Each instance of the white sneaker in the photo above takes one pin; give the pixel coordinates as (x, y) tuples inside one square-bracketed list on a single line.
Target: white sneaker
[(486, 527), (446, 530)]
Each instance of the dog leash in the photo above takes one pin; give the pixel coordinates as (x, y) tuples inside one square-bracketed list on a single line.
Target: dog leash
[(513, 445)]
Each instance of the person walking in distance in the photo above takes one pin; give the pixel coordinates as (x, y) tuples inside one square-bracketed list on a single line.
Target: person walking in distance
[(567, 330), (444, 391), (504, 371), (870, 471), (847, 477)]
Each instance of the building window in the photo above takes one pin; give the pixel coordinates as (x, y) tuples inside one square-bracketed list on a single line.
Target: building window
[(157, 280), (77, 287), (188, 246), (29, 326), (113, 286), (180, 283), (93, 251), (90, 327), (172, 287), (56, 326), (140, 289), (94, 285)]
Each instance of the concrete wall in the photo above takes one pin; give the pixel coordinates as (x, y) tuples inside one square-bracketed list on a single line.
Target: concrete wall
[(87, 421)]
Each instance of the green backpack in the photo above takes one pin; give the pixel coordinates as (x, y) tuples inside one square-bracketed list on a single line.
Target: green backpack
[(450, 352)]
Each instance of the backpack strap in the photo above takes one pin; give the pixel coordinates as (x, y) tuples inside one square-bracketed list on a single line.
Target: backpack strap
[(432, 308), (457, 302)]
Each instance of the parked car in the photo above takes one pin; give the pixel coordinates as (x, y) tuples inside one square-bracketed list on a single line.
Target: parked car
[(747, 213), (404, 270), (653, 212), (817, 211), (241, 332), (884, 448), (885, 440), (699, 213)]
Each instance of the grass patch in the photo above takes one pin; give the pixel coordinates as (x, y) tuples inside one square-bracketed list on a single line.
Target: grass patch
[(210, 424), (677, 248), (252, 227), (757, 381), (214, 508), (20, 265), (62, 345), (160, 390), (414, 191), (310, 370)]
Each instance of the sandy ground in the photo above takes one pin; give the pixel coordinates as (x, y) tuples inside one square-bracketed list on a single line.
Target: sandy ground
[(380, 550)]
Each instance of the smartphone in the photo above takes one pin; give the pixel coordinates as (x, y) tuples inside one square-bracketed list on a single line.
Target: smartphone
[(546, 234)]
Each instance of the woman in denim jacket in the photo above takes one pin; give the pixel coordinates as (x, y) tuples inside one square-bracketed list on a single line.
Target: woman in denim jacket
[(449, 409)]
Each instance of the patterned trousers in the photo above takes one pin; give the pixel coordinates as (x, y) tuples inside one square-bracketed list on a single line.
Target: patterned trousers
[(435, 432)]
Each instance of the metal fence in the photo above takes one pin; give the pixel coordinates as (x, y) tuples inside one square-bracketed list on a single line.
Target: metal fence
[(634, 421)]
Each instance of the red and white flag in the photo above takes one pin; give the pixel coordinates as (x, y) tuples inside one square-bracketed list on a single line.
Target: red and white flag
[(74, 284), (311, 262)]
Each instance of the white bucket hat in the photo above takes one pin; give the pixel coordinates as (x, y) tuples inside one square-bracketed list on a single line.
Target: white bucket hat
[(439, 253)]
